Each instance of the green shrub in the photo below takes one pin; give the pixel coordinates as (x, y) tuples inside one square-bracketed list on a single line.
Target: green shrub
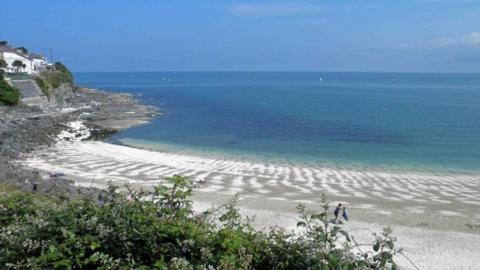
[(67, 75), (50, 80), (3, 63), (9, 95), (43, 86), (54, 78), (159, 230)]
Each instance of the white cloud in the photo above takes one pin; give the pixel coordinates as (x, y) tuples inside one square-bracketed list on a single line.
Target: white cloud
[(472, 39), (310, 22), (277, 9), (443, 42)]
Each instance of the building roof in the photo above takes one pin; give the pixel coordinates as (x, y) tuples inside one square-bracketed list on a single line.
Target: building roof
[(35, 56), (29, 56), (5, 48)]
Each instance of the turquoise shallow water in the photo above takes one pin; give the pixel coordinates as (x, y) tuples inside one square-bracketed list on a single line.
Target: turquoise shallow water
[(403, 121)]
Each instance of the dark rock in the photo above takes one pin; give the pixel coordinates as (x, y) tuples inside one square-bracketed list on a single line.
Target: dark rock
[(24, 129)]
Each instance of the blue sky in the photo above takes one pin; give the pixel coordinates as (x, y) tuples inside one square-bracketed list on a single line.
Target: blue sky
[(324, 35)]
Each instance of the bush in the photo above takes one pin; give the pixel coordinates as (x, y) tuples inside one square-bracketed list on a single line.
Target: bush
[(43, 86), (3, 63), (9, 95), (54, 78), (68, 76), (159, 230), (49, 80)]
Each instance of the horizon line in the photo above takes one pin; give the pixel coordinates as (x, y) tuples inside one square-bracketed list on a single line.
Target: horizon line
[(285, 71)]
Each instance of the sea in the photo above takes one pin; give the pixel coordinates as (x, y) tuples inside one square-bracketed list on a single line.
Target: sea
[(395, 121)]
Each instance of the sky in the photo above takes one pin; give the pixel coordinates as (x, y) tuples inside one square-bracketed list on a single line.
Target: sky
[(202, 35)]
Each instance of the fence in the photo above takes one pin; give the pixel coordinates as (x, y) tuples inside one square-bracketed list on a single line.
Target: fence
[(17, 76)]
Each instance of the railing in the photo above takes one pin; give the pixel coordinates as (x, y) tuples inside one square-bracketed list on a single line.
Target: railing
[(17, 76)]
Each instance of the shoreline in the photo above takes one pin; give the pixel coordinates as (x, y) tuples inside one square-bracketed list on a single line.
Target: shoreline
[(447, 202), (245, 156)]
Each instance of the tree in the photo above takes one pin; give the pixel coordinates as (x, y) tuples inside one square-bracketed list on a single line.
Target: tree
[(17, 64), (22, 49), (3, 43), (3, 63)]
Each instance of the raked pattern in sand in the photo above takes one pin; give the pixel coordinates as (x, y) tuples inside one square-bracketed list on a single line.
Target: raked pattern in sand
[(448, 194)]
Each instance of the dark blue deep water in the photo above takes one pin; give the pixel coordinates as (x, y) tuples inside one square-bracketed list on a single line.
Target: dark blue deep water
[(420, 121)]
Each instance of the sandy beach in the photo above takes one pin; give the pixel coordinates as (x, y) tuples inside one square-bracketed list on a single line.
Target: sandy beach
[(433, 215)]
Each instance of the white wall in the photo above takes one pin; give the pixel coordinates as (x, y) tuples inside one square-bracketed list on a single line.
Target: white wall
[(11, 57), (39, 64)]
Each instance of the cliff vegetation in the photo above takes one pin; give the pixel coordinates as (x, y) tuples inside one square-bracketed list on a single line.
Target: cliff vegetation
[(9, 95), (52, 79)]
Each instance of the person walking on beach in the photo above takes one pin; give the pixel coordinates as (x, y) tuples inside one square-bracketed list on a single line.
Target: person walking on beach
[(337, 210), (344, 215), (340, 212)]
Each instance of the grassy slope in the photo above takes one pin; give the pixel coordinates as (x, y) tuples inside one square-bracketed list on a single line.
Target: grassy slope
[(50, 80)]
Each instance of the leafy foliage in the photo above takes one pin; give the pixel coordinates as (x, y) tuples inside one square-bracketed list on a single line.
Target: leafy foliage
[(43, 86), (159, 230), (9, 95), (50, 80), (68, 76), (3, 63), (18, 64), (22, 50)]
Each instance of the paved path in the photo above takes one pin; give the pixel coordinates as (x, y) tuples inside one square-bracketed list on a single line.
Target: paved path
[(28, 88)]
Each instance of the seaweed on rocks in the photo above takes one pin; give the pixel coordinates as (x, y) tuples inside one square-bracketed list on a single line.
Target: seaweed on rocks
[(98, 133)]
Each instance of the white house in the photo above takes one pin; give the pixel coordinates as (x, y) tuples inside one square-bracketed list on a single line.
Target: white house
[(32, 63), (39, 62)]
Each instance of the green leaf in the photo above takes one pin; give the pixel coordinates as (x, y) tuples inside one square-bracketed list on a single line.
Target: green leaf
[(94, 245), (52, 249), (345, 234), (63, 264), (390, 244), (317, 216), (332, 259)]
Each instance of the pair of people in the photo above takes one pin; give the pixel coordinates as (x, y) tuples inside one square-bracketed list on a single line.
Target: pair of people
[(340, 213)]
